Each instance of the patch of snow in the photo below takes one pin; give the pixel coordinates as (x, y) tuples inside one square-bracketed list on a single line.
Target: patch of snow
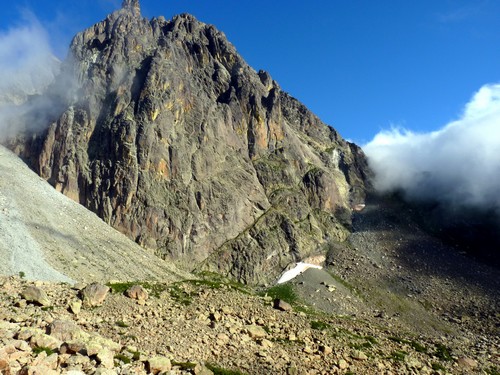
[(296, 271)]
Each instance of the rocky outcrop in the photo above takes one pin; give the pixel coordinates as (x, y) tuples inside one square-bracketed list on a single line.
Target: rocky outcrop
[(171, 138)]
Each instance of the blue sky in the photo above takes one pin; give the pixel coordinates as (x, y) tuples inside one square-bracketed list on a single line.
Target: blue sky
[(360, 65)]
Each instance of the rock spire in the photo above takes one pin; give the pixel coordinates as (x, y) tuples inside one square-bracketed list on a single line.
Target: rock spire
[(132, 6)]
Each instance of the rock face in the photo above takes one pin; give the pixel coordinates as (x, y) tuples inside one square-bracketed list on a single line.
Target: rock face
[(170, 137)]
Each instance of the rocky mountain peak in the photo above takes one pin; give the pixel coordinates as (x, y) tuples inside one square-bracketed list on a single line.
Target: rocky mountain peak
[(132, 6), (177, 142)]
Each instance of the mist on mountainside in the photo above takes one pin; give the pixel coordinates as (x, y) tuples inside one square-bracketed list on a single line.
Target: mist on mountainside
[(27, 68), (452, 175)]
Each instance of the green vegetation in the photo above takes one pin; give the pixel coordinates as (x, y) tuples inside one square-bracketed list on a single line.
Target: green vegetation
[(371, 340), (130, 337), (180, 295), (361, 346), (183, 291), (418, 347), (122, 358), (37, 350), (284, 292), (319, 325), (122, 324), (217, 281), (438, 367), (184, 366), (154, 289), (493, 370), (22, 275), (443, 352), (398, 355), (415, 345), (120, 288), (222, 371)]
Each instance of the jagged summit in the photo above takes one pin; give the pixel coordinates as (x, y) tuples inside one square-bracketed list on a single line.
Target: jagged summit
[(132, 6)]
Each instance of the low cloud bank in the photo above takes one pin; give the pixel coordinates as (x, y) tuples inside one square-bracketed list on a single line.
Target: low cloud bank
[(458, 165), (27, 67)]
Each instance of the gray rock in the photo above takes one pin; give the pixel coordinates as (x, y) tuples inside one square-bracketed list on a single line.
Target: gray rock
[(279, 304), (75, 306), (137, 292), (256, 332), (36, 295), (106, 358), (94, 294), (45, 341), (359, 355), (159, 364), (64, 330), (467, 363)]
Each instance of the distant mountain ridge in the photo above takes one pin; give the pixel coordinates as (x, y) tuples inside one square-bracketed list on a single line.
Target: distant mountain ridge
[(170, 137)]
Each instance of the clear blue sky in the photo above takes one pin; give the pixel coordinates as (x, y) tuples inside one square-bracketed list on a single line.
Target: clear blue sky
[(360, 65)]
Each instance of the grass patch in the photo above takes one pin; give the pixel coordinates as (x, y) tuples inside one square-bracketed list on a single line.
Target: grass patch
[(122, 324), (22, 275), (180, 295), (308, 310), (154, 290), (493, 370), (37, 350), (342, 332), (398, 355), (215, 280), (222, 371), (284, 292), (438, 367), (183, 291), (184, 366), (443, 352), (361, 346), (371, 340), (418, 347), (120, 288), (319, 325), (415, 345), (122, 358)]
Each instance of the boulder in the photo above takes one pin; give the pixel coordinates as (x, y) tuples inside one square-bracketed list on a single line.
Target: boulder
[(94, 294), (35, 295), (281, 305), (137, 292)]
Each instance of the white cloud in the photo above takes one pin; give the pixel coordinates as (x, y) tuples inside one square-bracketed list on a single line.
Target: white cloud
[(458, 164), (26, 59), (27, 66)]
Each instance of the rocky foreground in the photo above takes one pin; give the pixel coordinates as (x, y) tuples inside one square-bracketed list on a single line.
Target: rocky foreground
[(207, 326)]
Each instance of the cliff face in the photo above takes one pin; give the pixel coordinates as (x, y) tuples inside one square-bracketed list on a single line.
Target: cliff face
[(173, 139)]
